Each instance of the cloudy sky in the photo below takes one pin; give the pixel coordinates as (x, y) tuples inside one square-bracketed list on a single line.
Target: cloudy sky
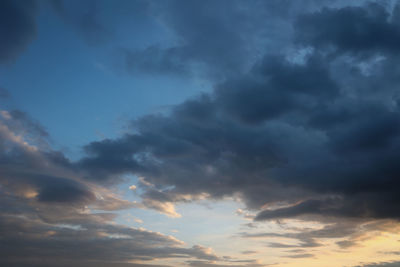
[(199, 133)]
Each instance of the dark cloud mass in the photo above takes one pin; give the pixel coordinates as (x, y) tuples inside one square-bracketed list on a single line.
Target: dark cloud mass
[(17, 27), (294, 125), (352, 29)]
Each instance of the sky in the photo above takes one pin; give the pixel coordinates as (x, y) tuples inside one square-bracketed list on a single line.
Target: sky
[(199, 133)]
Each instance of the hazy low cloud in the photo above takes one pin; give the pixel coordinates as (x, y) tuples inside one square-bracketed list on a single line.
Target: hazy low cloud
[(306, 242), (212, 264), (47, 216), (381, 264)]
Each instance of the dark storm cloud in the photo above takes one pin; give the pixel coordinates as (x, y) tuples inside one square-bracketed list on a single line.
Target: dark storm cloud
[(276, 87), (17, 27), (203, 140), (63, 190), (288, 130), (47, 188), (357, 29)]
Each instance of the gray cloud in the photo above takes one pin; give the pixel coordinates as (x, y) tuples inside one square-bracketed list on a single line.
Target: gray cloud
[(215, 39), (47, 217), (212, 264), (354, 29), (297, 256), (101, 242), (381, 264), (17, 28), (282, 132), (350, 233), (44, 263)]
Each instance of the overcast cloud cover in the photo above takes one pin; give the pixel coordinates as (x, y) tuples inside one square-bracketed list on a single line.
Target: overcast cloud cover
[(301, 122)]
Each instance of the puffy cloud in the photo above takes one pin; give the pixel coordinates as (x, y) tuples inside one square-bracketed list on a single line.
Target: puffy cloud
[(353, 29), (320, 144), (132, 187)]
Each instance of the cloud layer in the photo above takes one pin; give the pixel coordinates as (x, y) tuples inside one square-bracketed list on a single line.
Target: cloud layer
[(322, 128)]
